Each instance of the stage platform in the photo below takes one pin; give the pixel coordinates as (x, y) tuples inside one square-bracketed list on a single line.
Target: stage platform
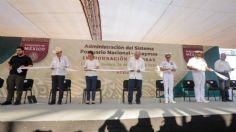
[(114, 116)]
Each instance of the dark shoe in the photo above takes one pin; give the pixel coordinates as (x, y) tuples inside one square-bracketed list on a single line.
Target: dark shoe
[(92, 102), (229, 100), (52, 103), (130, 103), (6, 103), (59, 102), (137, 101), (17, 103)]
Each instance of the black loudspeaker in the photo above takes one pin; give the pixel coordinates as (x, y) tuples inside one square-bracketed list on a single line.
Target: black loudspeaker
[(32, 99)]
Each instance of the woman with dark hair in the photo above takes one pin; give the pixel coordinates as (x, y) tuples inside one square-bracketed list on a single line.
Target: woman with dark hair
[(91, 64)]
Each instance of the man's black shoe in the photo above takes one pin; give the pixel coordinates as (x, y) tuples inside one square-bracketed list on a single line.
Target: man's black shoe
[(224, 100), (17, 103), (51, 103), (130, 103), (59, 102), (6, 103), (229, 100)]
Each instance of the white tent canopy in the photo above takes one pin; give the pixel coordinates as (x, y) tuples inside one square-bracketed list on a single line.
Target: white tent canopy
[(195, 22), (43, 18)]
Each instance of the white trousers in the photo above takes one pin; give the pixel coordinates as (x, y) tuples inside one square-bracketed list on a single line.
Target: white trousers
[(168, 80), (199, 79)]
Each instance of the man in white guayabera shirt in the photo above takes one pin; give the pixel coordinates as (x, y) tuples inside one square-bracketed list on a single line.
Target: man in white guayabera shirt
[(58, 65), (91, 64), (198, 66), (136, 67), (223, 68), (168, 68)]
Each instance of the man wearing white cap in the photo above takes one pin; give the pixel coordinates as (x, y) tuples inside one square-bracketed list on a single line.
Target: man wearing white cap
[(136, 66), (58, 66), (223, 68), (168, 68), (198, 66)]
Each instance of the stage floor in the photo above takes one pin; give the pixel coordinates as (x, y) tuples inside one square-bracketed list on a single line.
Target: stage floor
[(114, 109), (78, 111)]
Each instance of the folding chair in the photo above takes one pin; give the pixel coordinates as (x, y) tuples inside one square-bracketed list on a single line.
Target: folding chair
[(233, 86), (212, 86), (125, 89), (188, 86), (98, 89), (28, 85), (159, 88), (67, 88)]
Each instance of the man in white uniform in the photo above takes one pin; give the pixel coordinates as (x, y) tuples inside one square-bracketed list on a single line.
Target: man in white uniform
[(198, 66), (168, 68), (136, 66), (58, 66), (223, 68)]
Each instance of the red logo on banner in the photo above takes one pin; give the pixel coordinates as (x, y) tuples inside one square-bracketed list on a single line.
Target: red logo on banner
[(188, 51), (35, 48)]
